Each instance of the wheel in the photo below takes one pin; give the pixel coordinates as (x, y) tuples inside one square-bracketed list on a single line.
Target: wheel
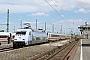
[(14, 45)]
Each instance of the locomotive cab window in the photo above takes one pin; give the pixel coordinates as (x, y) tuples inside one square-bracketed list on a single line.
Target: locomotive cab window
[(21, 32)]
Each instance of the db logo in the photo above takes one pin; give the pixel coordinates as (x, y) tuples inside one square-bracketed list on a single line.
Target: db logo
[(19, 37)]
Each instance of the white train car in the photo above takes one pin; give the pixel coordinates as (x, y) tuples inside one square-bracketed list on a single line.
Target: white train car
[(28, 36), (56, 36), (63, 36), (4, 36)]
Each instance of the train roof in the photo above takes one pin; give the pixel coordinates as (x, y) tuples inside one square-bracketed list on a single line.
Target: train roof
[(4, 33), (55, 33), (23, 29), (33, 30)]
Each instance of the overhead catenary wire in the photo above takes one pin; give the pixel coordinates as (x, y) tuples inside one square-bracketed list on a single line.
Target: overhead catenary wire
[(61, 12), (55, 10)]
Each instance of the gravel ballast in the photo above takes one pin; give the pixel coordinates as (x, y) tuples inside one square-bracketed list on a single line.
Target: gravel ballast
[(26, 52)]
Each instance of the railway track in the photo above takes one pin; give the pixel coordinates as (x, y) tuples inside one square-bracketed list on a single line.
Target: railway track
[(26, 53), (59, 53), (6, 47), (63, 54)]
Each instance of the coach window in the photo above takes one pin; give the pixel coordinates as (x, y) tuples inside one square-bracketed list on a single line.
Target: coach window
[(54, 35), (4, 36)]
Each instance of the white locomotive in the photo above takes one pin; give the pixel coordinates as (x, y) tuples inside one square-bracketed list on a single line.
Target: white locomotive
[(28, 36)]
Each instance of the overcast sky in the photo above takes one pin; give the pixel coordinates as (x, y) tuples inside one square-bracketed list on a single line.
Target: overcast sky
[(68, 13)]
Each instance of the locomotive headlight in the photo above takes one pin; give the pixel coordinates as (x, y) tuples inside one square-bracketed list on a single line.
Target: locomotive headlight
[(15, 39)]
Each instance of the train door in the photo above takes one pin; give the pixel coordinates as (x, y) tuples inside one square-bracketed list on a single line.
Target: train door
[(30, 37)]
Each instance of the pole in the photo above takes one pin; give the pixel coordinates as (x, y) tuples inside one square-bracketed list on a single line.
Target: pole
[(14, 28), (21, 23), (52, 27), (61, 29), (36, 24), (8, 20), (45, 26)]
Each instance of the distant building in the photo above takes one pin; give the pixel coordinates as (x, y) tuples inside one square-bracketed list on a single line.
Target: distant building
[(85, 30)]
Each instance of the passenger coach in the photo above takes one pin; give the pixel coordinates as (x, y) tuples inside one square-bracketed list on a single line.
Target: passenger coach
[(56, 36)]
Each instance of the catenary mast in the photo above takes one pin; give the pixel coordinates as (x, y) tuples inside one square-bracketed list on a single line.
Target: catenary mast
[(8, 20)]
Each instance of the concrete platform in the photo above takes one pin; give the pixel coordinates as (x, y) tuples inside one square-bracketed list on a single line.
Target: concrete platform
[(83, 51)]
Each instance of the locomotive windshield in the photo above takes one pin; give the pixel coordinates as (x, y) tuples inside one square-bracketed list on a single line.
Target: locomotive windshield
[(21, 32)]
